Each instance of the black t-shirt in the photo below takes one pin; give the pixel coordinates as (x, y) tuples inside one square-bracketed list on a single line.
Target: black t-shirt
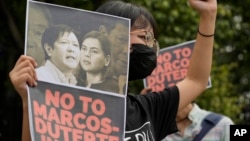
[(151, 117)]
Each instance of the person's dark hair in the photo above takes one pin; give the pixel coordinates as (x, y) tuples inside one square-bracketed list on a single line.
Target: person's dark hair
[(102, 38), (140, 17), (52, 33)]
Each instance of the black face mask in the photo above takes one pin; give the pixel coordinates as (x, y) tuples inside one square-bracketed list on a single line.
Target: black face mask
[(142, 61)]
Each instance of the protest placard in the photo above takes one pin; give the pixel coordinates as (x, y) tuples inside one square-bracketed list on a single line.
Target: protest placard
[(172, 65), (74, 101), (64, 113)]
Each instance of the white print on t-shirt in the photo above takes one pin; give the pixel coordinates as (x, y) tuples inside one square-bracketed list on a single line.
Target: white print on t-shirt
[(141, 134)]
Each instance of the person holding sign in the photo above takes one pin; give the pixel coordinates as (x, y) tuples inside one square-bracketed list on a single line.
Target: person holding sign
[(95, 69), (150, 116)]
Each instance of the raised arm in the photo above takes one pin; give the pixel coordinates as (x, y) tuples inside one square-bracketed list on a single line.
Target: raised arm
[(22, 74), (201, 61)]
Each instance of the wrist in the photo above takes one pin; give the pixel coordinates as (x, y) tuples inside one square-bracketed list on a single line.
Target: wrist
[(204, 34)]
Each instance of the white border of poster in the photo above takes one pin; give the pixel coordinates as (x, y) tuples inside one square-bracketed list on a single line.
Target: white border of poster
[(59, 111)]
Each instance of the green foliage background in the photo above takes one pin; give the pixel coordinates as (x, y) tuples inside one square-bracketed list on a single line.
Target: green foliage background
[(178, 23)]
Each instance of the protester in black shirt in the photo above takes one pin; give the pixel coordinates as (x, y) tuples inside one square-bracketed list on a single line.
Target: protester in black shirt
[(151, 115)]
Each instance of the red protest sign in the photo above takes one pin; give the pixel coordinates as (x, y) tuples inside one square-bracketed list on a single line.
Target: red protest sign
[(172, 65), (65, 113)]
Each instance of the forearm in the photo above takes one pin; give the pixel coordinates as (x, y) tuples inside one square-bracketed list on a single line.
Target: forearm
[(25, 125), (22, 74), (201, 60)]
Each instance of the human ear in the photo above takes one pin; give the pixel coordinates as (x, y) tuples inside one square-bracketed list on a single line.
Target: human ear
[(47, 49), (103, 30), (107, 60)]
